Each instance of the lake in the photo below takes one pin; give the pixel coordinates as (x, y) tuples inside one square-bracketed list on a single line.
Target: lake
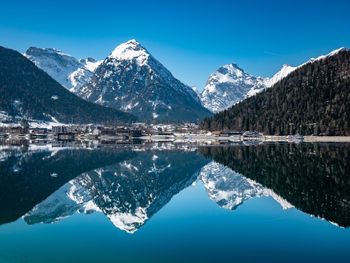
[(271, 202)]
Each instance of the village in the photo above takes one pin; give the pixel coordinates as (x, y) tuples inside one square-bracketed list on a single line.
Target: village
[(179, 133)]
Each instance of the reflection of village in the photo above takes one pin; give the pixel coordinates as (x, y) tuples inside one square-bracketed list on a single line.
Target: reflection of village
[(186, 133)]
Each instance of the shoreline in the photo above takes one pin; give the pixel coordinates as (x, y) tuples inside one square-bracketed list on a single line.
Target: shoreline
[(310, 138), (190, 138)]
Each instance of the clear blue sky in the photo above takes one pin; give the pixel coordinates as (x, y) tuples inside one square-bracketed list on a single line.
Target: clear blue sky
[(191, 38)]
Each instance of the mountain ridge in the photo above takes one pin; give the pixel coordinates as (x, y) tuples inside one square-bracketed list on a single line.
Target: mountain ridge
[(230, 84), (70, 72), (131, 79), (29, 92), (311, 100)]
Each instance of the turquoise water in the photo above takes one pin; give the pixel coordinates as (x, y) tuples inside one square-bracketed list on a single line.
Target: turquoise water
[(192, 209)]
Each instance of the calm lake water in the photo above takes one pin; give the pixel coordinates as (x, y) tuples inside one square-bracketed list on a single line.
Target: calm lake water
[(175, 203)]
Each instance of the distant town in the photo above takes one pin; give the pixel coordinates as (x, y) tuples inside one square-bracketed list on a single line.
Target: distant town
[(177, 133)]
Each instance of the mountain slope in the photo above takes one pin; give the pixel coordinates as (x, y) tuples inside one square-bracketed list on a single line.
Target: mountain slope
[(281, 74), (131, 79), (229, 85), (313, 99), (63, 68), (27, 91)]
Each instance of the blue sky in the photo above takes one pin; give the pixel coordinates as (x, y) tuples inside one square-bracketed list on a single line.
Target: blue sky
[(191, 38)]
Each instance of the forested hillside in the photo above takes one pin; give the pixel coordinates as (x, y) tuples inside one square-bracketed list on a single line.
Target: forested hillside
[(313, 99), (27, 91)]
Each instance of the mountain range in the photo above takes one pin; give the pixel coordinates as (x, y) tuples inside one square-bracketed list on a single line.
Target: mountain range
[(130, 79), (28, 92), (313, 99), (230, 84)]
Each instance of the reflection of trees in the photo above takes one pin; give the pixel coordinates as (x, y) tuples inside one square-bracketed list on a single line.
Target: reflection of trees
[(315, 178), (27, 178), (122, 183)]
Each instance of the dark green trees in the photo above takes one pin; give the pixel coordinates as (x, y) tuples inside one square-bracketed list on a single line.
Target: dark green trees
[(314, 99), (27, 91)]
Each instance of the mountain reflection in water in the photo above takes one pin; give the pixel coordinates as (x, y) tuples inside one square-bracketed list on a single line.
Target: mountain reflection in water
[(315, 178), (130, 184)]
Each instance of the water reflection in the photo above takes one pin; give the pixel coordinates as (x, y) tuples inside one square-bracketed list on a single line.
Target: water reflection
[(230, 189), (29, 175), (128, 192), (129, 184), (315, 178)]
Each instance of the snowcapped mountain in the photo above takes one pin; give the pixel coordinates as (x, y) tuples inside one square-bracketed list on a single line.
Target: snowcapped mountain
[(28, 92), (132, 80), (230, 189), (65, 69), (306, 77), (228, 85), (90, 63), (281, 74), (330, 54)]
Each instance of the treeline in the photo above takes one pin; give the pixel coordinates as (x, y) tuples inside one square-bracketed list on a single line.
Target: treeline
[(312, 100)]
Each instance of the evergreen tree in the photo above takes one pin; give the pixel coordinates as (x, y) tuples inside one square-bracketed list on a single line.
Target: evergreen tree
[(314, 99)]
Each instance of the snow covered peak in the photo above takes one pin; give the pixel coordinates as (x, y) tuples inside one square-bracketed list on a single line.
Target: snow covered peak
[(131, 50), (90, 63), (65, 69), (53, 54), (227, 86), (229, 73), (282, 73), (40, 51), (332, 53), (131, 79), (287, 69), (336, 51), (231, 69)]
